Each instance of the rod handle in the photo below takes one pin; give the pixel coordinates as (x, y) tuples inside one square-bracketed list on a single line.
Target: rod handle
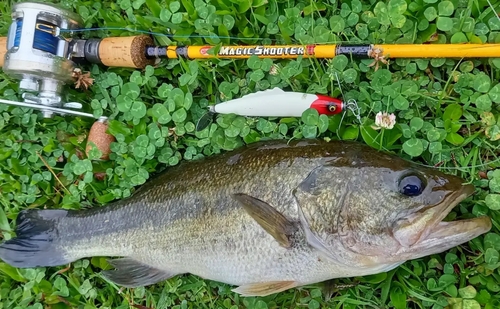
[(3, 50), (128, 52)]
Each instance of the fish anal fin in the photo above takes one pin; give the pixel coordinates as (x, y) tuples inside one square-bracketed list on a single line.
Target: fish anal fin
[(268, 218), (131, 273), (264, 288)]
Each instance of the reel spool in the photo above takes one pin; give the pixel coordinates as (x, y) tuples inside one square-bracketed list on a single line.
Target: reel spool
[(40, 57)]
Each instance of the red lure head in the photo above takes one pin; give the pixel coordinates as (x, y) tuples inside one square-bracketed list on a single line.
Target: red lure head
[(327, 105)]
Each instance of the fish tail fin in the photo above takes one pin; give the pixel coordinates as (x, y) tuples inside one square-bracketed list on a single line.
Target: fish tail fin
[(36, 244)]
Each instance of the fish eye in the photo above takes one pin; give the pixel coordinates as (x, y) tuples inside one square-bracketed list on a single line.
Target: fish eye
[(332, 107), (411, 185)]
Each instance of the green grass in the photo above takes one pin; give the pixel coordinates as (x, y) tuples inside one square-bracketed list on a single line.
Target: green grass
[(447, 114)]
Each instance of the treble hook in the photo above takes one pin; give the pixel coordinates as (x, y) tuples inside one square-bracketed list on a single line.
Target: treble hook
[(351, 104)]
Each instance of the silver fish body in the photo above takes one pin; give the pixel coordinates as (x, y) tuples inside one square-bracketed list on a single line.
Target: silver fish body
[(267, 217)]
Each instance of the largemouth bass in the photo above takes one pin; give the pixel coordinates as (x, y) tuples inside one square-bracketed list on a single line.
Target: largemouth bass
[(267, 217)]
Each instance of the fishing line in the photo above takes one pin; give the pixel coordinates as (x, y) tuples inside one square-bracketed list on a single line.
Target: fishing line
[(354, 108), (43, 38), (459, 168), (351, 104), (204, 36), (162, 34)]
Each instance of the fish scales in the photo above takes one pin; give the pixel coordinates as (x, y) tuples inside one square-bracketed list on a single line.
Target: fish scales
[(266, 217), (177, 208)]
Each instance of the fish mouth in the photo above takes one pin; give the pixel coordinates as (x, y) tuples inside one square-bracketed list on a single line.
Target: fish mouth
[(426, 233)]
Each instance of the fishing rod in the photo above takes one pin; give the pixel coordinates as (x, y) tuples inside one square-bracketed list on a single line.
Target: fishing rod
[(36, 53), (329, 51)]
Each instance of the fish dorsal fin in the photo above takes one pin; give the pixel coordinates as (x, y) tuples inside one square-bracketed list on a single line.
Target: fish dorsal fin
[(264, 288), (131, 273), (268, 218), (264, 93)]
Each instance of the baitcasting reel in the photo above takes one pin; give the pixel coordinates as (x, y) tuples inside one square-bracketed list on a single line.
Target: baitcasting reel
[(40, 57)]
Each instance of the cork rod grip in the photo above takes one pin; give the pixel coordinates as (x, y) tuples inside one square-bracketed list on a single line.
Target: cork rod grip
[(3, 50), (129, 52)]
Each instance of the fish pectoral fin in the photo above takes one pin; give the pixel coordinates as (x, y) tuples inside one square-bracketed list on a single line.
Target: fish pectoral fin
[(268, 218), (131, 273), (264, 288)]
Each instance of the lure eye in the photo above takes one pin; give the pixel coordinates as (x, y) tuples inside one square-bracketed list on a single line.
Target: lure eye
[(411, 185), (332, 107)]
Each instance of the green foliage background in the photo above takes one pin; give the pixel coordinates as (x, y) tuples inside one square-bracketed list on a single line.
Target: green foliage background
[(447, 114)]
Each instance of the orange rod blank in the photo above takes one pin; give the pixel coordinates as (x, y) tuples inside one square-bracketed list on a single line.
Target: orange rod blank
[(242, 52), (439, 50), (328, 51)]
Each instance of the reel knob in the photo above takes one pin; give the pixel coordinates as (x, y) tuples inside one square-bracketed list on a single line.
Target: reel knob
[(38, 55)]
